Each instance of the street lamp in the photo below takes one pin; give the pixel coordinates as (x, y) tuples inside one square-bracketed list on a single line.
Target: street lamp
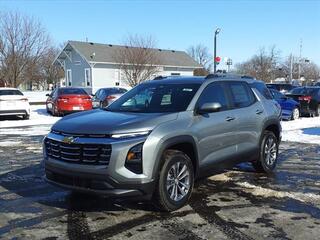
[(215, 49)]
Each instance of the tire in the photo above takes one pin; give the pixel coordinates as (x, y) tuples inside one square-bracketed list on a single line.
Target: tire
[(317, 111), (26, 116), (267, 161), (55, 112), (166, 196), (295, 114)]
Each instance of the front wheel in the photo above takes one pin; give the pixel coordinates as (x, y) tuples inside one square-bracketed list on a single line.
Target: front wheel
[(269, 148), (175, 182), (295, 114)]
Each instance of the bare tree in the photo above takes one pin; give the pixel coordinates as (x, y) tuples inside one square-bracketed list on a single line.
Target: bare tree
[(50, 73), (263, 65), (201, 55), (23, 41), (138, 60)]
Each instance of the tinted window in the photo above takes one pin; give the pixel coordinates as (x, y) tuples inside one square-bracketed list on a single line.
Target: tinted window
[(10, 92), (214, 92), (262, 88), (64, 91), (241, 95), (156, 98)]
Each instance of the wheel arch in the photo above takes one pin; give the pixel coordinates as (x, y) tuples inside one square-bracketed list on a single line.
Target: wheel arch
[(183, 143)]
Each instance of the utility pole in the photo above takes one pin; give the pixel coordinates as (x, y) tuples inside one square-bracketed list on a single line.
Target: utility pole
[(291, 67), (299, 62), (215, 50)]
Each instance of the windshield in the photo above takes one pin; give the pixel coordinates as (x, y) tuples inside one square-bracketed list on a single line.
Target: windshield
[(156, 98), (10, 92)]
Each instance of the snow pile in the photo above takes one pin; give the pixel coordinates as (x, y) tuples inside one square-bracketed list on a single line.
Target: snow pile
[(36, 96), (306, 130), (38, 116)]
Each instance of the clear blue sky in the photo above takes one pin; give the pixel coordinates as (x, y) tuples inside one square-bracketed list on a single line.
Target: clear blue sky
[(246, 25)]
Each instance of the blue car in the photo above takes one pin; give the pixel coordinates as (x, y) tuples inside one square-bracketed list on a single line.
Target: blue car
[(290, 108)]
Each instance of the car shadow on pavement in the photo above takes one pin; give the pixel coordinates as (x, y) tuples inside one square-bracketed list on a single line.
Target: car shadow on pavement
[(29, 184)]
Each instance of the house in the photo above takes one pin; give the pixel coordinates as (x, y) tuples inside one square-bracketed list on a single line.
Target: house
[(92, 66)]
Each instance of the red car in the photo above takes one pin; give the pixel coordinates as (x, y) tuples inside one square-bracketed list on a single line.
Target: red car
[(67, 100)]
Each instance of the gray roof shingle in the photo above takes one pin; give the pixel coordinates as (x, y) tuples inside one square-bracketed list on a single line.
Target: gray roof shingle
[(105, 52)]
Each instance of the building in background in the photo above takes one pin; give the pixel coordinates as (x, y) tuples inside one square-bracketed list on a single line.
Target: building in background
[(92, 66)]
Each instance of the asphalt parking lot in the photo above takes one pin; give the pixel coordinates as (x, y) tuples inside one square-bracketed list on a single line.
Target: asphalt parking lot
[(235, 204)]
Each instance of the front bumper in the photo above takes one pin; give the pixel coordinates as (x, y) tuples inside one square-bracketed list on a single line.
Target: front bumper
[(112, 180)]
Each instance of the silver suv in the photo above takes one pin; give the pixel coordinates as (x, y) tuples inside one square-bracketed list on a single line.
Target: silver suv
[(156, 139)]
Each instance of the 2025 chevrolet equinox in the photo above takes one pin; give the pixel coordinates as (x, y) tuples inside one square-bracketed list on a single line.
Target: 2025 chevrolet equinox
[(156, 139)]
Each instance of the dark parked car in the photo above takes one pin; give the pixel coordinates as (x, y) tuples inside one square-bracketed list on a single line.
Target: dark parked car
[(105, 96), (281, 87), (309, 99), (290, 108), (66, 100)]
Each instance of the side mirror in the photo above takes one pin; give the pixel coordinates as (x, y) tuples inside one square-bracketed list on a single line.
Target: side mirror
[(47, 95), (92, 95), (209, 108)]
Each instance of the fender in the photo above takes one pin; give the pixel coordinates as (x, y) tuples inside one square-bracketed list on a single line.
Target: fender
[(169, 143)]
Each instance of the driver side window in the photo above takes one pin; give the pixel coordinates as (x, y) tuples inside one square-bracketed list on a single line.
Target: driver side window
[(214, 93)]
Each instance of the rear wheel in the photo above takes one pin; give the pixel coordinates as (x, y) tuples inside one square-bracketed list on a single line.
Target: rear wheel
[(175, 181), (55, 111), (295, 114), (26, 116), (317, 111), (269, 148)]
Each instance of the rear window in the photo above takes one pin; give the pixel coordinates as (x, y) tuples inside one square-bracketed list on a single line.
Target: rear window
[(309, 91), (241, 95), (281, 87), (114, 91), (262, 88), (10, 92), (65, 91)]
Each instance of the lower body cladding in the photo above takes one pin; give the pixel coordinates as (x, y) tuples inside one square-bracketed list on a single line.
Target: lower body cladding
[(109, 177)]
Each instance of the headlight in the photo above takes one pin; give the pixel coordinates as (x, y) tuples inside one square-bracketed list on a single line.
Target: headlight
[(134, 159), (130, 135)]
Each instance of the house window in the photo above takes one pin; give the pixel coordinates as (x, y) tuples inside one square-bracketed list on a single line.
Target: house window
[(175, 74), (69, 77), (87, 76)]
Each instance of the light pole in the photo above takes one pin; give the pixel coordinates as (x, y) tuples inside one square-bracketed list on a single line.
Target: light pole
[(215, 50)]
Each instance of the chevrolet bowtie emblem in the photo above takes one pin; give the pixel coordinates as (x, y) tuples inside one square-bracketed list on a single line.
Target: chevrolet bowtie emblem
[(69, 140)]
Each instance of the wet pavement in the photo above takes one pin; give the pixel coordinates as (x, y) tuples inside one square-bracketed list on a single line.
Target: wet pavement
[(235, 204)]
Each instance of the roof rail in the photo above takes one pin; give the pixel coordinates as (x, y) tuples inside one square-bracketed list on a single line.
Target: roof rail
[(159, 77), (212, 75), (248, 77)]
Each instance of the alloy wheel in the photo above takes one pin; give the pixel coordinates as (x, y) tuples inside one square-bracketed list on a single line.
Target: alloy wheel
[(178, 181), (270, 151)]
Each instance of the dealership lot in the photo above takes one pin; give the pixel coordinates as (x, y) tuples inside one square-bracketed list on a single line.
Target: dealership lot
[(235, 204)]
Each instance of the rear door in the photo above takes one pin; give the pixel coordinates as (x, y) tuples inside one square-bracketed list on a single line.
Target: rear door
[(216, 132), (250, 116)]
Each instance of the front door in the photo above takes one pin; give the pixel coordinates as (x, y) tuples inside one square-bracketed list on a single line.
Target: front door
[(216, 132)]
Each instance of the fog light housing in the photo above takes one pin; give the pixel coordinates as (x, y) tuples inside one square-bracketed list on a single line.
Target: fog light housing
[(134, 159)]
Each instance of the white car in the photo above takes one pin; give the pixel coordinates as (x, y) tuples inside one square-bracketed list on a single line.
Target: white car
[(13, 103)]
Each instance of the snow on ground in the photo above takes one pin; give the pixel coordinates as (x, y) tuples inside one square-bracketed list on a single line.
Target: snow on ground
[(306, 130), (36, 96), (38, 116)]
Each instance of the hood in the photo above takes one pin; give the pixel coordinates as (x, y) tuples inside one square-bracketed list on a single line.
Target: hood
[(106, 122)]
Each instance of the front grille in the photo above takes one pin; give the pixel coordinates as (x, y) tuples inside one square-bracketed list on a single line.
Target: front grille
[(90, 154)]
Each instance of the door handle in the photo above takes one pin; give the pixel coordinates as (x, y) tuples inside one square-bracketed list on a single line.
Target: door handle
[(259, 111), (228, 119)]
